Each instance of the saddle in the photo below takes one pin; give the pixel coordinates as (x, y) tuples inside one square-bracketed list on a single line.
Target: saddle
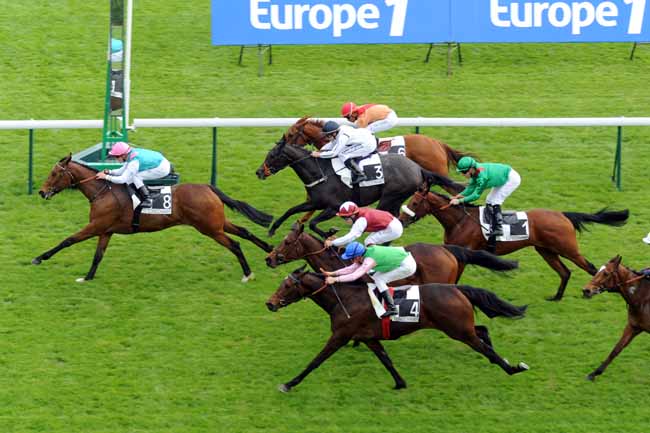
[(371, 166)]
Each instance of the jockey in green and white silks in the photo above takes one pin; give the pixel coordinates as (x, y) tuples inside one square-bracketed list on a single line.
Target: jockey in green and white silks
[(140, 165), (389, 263), (502, 178)]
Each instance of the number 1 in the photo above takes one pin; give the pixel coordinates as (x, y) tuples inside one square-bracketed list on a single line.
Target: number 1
[(399, 16), (636, 16)]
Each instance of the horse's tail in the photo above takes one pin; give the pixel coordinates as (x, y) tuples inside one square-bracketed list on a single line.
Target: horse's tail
[(258, 217), (431, 179), (453, 155), (615, 218), (490, 304), (481, 258)]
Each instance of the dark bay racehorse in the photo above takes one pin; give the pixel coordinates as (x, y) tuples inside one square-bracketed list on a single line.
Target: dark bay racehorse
[(446, 307), (430, 154), (111, 211), (634, 287), (326, 191), (436, 263), (552, 233)]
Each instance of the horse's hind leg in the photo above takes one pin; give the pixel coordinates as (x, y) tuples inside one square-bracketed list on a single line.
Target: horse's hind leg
[(379, 350), (233, 247), (554, 262), (242, 232), (483, 334), (486, 350)]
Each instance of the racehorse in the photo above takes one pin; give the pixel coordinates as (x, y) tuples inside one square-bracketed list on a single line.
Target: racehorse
[(552, 233), (430, 154), (634, 287), (326, 191), (446, 307), (111, 211), (435, 263)]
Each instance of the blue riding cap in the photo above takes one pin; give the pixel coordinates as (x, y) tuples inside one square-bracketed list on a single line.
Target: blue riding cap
[(354, 249)]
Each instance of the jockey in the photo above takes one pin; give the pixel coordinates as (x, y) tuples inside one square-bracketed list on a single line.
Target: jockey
[(348, 144), (382, 226), (140, 165), (502, 178), (375, 117), (390, 264)]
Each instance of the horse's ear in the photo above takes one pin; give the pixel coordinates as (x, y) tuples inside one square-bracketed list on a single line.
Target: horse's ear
[(424, 187), (617, 259), (67, 159), (301, 270)]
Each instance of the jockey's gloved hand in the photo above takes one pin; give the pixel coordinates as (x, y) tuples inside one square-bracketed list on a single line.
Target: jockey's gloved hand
[(646, 272)]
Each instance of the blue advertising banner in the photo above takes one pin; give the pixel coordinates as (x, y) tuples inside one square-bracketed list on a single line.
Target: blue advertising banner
[(290, 22), (287, 22)]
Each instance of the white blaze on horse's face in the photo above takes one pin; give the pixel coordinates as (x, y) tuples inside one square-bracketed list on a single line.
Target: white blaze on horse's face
[(602, 268)]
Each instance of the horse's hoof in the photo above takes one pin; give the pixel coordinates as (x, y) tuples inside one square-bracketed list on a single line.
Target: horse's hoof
[(284, 388), (554, 299), (81, 280), (591, 377), (523, 366), (36, 261), (400, 385), (248, 277)]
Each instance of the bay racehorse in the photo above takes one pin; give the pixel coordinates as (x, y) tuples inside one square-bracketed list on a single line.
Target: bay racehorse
[(430, 154), (111, 211), (435, 263), (552, 233), (446, 307), (634, 287), (326, 191)]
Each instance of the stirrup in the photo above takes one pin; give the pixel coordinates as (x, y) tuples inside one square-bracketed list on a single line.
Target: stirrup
[(389, 312)]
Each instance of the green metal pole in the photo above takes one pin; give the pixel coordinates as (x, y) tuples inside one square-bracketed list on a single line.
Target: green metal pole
[(616, 174), (213, 178), (30, 168), (417, 129)]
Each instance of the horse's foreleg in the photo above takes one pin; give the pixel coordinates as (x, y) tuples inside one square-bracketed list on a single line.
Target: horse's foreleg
[(87, 232), (333, 344), (242, 232), (302, 207), (628, 335), (554, 262), (379, 350), (102, 243), (323, 216)]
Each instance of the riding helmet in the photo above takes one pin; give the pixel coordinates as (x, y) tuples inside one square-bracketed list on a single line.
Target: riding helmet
[(465, 163), (354, 249), (330, 126), (347, 209), (348, 108)]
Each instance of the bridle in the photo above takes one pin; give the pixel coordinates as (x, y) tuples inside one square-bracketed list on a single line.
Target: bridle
[(616, 283), (74, 182), (297, 282)]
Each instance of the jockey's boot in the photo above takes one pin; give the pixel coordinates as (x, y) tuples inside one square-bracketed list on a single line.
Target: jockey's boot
[(497, 220), (391, 309), (358, 175), (143, 192)]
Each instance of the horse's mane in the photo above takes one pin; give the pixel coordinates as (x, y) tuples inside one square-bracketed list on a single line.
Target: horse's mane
[(93, 169)]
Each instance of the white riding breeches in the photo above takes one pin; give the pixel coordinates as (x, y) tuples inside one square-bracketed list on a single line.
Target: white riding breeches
[(153, 173), (499, 194), (405, 269), (382, 125), (393, 231)]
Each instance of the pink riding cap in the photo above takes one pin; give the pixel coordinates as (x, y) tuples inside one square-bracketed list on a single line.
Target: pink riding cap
[(120, 148)]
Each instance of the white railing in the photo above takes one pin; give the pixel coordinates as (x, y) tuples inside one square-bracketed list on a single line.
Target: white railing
[(417, 122)]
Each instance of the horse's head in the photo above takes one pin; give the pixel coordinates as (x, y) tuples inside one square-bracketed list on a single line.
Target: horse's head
[(281, 156), (291, 248), (305, 131), (607, 279), (296, 286), (60, 178), (416, 208)]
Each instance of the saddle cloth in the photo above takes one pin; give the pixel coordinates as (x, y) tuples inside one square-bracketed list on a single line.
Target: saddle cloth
[(161, 200), (515, 225), (371, 166), (407, 301), (392, 145)]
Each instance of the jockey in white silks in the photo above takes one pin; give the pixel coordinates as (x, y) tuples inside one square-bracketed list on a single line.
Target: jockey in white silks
[(347, 143), (139, 165)]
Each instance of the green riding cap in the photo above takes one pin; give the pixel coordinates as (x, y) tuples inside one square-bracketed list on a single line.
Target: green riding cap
[(465, 163)]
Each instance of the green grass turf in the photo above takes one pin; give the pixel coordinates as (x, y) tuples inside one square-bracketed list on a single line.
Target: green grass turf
[(166, 339)]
